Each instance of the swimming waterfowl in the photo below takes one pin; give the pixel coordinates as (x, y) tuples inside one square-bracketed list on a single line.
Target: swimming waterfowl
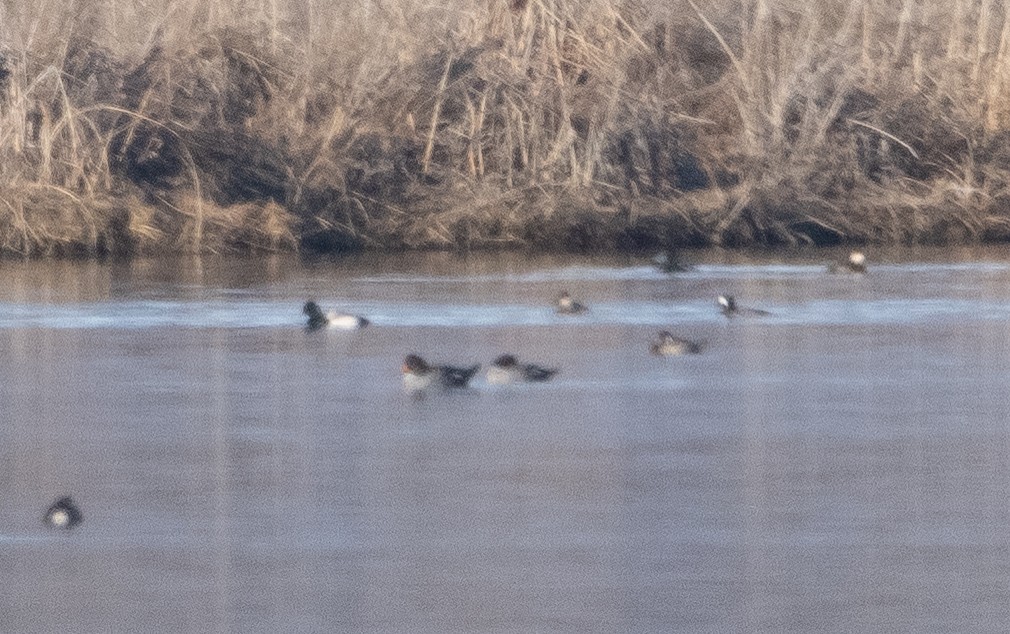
[(856, 263), (507, 369), (729, 308), (418, 375), (565, 305), (669, 261), (63, 514), (668, 345), (332, 319)]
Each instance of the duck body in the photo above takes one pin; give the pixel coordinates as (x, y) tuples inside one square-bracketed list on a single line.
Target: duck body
[(419, 376), (565, 305), (856, 263), (667, 345), (730, 308), (332, 319), (506, 369), (669, 261), (63, 514)]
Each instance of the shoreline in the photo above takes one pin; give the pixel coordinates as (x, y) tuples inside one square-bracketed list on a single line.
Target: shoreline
[(109, 233)]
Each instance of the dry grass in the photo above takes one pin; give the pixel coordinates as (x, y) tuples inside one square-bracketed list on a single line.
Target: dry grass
[(134, 126)]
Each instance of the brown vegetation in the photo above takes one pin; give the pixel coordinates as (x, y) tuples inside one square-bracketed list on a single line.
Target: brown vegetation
[(131, 127)]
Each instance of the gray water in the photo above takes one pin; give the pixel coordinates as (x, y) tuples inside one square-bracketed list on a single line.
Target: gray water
[(840, 465)]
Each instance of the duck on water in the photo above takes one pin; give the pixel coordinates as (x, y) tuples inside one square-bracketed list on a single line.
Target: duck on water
[(565, 305), (63, 514), (856, 263), (668, 345), (506, 369), (420, 376), (729, 307), (331, 319), (670, 261)]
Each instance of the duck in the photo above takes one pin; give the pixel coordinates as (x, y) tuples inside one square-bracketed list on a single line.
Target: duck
[(729, 308), (332, 319), (419, 375), (63, 514), (667, 345), (565, 305), (507, 369), (856, 263), (669, 261)]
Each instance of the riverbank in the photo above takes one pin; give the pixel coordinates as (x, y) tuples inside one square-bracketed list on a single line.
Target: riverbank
[(550, 125)]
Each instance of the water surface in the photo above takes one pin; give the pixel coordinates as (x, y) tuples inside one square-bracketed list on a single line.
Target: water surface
[(839, 465)]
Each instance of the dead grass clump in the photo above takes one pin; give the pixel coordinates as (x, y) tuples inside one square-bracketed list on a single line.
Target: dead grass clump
[(235, 167), (5, 72), (655, 158), (556, 218), (358, 196), (242, 227), (94, 76), (38, 221), (931, 137), (184, 125)]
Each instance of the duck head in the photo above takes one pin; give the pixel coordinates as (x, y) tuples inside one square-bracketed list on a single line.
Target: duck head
[(312, 309), (414, 364), (506, 361)]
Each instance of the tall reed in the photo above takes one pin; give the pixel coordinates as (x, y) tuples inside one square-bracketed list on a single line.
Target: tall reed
[(271, 124)]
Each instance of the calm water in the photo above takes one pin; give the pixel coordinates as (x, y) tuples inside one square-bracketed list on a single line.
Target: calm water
[(841, 465)]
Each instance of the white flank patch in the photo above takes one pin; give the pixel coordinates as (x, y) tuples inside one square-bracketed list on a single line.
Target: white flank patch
[(500, 376), (415, 383), (343, 322)]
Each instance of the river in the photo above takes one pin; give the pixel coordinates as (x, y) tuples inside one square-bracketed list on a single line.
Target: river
[(841, 464)]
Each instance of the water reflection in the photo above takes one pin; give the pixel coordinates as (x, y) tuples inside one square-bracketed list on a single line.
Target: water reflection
[(841, 462)]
